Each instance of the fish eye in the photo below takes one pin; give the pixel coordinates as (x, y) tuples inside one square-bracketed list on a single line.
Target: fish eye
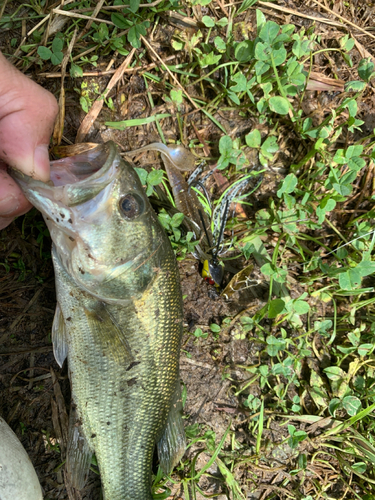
[(131, 206)]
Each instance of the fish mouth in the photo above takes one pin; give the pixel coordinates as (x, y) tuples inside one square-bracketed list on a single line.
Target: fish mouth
[(74, 180), (87, 175)]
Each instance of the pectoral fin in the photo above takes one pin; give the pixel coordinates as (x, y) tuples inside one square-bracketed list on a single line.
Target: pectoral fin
[(79, 454), (171, 446), (108, 334), (59, 337)]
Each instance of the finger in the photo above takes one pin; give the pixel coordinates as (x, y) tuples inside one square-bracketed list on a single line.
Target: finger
[(12, 200)]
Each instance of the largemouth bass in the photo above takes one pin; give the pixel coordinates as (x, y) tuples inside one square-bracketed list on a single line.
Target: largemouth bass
[(118, 320)]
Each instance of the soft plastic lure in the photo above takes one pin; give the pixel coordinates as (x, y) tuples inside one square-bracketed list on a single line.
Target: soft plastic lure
[(178, 159)]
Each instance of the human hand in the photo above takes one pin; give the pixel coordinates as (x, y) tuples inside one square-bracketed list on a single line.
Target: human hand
[(27, 115)]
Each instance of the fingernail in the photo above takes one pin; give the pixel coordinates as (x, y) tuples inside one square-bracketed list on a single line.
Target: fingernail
[(41, 162), (8, 205)]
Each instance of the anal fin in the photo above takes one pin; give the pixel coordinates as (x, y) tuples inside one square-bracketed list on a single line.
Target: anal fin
[(79, 454), (171, 445), (59, 337)]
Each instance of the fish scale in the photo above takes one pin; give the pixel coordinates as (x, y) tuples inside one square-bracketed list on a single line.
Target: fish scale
[(119, 322)]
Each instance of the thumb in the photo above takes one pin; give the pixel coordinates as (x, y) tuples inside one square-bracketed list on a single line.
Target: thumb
[(27, 114)]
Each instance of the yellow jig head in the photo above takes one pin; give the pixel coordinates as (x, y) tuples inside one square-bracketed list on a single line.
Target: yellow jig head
[(213, 272)]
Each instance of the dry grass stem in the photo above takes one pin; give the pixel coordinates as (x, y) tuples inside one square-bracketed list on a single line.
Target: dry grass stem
[(59, 122), (3, 8), (81, 16), (39, 24), (299, 14)]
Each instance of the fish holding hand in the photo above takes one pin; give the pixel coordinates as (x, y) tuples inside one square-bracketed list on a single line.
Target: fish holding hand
[(118, 320)]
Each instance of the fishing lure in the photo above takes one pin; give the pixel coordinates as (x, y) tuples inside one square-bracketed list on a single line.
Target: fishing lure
[(177, 159)]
